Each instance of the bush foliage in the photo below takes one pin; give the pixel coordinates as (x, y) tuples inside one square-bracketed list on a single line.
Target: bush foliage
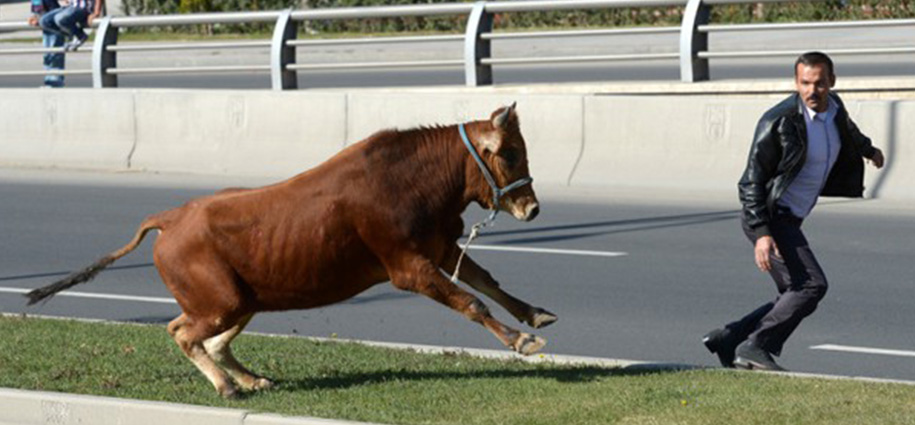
[(666, 16)]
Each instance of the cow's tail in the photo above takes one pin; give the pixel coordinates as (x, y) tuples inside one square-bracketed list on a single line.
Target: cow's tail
[(88, 273)]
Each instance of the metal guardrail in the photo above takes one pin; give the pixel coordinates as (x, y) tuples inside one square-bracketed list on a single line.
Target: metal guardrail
[(693, 53)]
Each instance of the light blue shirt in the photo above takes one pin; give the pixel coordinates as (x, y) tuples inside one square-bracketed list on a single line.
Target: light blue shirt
[(823, 146)]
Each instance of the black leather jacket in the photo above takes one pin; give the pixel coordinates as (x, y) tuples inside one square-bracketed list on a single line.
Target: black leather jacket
[(779, 151)]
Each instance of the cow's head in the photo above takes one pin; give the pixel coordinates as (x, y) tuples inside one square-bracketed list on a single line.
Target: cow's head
[(504, 152)]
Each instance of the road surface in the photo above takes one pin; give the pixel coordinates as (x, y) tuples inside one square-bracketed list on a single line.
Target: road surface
[(597, 72), (635, 277)]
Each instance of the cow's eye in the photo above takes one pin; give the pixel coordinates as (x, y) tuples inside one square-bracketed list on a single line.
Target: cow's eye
[(510, 156)]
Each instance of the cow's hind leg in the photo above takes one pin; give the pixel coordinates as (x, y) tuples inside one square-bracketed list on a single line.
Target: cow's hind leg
[(219, 349), (423, 277), (190, 333)]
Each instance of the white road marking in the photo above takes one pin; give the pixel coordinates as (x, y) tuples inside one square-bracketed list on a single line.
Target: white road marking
[(548, 250), (98, 296), (863, 350), (473, 247)]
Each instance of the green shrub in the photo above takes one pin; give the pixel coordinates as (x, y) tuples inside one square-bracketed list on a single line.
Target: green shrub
[(657, 16), (169, 7)]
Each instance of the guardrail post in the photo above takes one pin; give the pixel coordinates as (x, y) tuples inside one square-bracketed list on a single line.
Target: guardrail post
[(102, 58), (281, 54), (476, 48), (692, 67)]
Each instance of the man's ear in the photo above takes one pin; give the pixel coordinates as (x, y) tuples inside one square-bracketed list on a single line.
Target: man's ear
[(500, 120)]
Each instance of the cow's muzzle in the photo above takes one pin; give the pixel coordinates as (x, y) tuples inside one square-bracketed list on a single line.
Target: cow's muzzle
[(526, 211)]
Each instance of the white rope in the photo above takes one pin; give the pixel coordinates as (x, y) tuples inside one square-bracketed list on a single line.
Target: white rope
[(474, 232), (497, 194)]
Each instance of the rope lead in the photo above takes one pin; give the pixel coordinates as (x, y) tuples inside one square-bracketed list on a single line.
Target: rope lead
[(474, 232)]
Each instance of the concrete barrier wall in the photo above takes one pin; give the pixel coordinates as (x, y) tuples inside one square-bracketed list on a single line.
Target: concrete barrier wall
[(239, 133), (702, 142), (66, 128), (687, 142), (551, 124), (891, 127), (678, 142)]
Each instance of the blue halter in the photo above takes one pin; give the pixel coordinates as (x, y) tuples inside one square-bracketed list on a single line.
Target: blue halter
[(497, 193)]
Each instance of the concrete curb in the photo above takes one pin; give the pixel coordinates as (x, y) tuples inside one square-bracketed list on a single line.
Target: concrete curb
[(21, 407)]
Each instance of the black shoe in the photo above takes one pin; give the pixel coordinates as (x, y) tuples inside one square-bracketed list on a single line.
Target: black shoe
[(718, 342), (751, 357)]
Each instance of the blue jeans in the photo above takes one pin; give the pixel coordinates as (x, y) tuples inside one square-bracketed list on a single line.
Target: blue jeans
[(65, 21), (53, 61)]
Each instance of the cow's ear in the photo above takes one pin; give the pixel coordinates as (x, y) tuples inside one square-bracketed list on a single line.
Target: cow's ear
[(491, 141), (501, 116)]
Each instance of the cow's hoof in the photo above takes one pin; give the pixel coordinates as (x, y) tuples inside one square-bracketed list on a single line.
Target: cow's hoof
[(228, 392), (542, 318), (528, 344), (262, 384), (256, 384)]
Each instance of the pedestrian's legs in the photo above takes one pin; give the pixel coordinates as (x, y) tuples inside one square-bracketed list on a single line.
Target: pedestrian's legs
[(70, 20), (740, 330), (801, 284), (53, 61), (48, 23)]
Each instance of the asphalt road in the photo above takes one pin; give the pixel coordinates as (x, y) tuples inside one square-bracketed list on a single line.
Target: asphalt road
[(686, 268), (656, 70)]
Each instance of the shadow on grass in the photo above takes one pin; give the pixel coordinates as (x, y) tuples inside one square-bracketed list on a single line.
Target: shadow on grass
[(563, 374)]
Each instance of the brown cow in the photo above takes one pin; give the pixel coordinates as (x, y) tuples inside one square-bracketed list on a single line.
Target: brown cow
[(387, 208)]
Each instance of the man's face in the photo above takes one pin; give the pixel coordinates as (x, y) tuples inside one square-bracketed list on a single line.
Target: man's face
[(813, 84)]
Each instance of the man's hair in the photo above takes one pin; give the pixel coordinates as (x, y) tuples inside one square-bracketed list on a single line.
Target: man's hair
[(814, 58)]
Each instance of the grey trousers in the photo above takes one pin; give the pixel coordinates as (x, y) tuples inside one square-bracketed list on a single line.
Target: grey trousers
[(800, 282)]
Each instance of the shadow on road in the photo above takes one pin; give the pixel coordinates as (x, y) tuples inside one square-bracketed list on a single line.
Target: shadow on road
[(614, 226), (366, 299), (152, 320), (58, 274)]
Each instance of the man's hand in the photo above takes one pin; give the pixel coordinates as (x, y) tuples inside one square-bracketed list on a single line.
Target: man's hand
[(33, 20), (764, 246), (877, 159), (91, 18)]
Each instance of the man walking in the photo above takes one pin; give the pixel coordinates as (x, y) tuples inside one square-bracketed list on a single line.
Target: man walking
[(804, 147)]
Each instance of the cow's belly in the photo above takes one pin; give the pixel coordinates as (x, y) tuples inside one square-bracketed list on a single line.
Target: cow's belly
[(310, 293), (324, 274)]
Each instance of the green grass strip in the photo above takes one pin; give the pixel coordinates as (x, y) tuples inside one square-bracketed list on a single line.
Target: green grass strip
[(356, 382)]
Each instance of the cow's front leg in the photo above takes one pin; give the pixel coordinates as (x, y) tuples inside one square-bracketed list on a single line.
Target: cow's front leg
[(421, 276), (478, 278)]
